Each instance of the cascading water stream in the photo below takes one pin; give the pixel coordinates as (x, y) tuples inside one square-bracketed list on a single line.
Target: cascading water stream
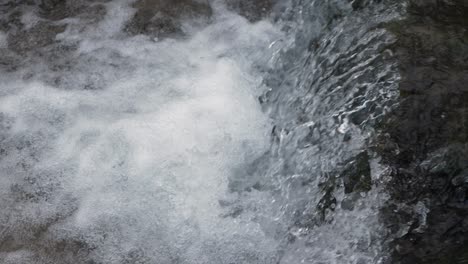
[(212, 132), (122, 154)]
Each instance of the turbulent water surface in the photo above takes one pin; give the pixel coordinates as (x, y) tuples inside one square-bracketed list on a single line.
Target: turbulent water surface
[(120, 150), (204, 132)]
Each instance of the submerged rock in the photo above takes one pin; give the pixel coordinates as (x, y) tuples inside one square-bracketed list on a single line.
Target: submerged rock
[(162, 18), (407, 103), (357, 174), (34, 38), (253, 10)]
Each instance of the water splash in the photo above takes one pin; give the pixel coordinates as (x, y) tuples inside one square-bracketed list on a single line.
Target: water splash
[(120, 151)]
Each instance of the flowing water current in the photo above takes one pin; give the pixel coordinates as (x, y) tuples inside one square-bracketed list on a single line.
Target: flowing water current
[(120, 146)]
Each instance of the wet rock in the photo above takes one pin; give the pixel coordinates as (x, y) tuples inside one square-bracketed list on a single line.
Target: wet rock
[(328, 201), (460, 179), (356, 178), (429, 132), (39, 36), (162, 18), (9, 62), (55, 10), (358, 4), (356, 175), (253, 10)]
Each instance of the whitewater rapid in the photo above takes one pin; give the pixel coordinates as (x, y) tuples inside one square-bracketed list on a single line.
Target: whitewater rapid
[(125, 157), (196, 132)]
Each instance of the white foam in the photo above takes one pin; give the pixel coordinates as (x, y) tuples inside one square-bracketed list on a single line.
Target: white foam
[(147, 157), (29, 19)]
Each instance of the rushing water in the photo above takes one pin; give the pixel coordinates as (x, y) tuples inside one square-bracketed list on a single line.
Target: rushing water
[(222, 142), (124, 156)]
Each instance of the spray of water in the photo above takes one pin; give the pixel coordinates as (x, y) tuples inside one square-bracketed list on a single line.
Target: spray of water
[(125, 156)]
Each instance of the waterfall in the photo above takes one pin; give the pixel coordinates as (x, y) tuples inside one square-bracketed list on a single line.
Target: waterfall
[(233, 131)]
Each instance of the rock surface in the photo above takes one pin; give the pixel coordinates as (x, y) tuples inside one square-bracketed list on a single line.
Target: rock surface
[(162, 18), (253, 10), (425, 140)]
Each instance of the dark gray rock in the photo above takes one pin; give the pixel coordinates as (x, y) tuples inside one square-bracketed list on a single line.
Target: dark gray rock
[(253, 10), (425, 139), (162, 18), (39, 36), (357, 174)]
